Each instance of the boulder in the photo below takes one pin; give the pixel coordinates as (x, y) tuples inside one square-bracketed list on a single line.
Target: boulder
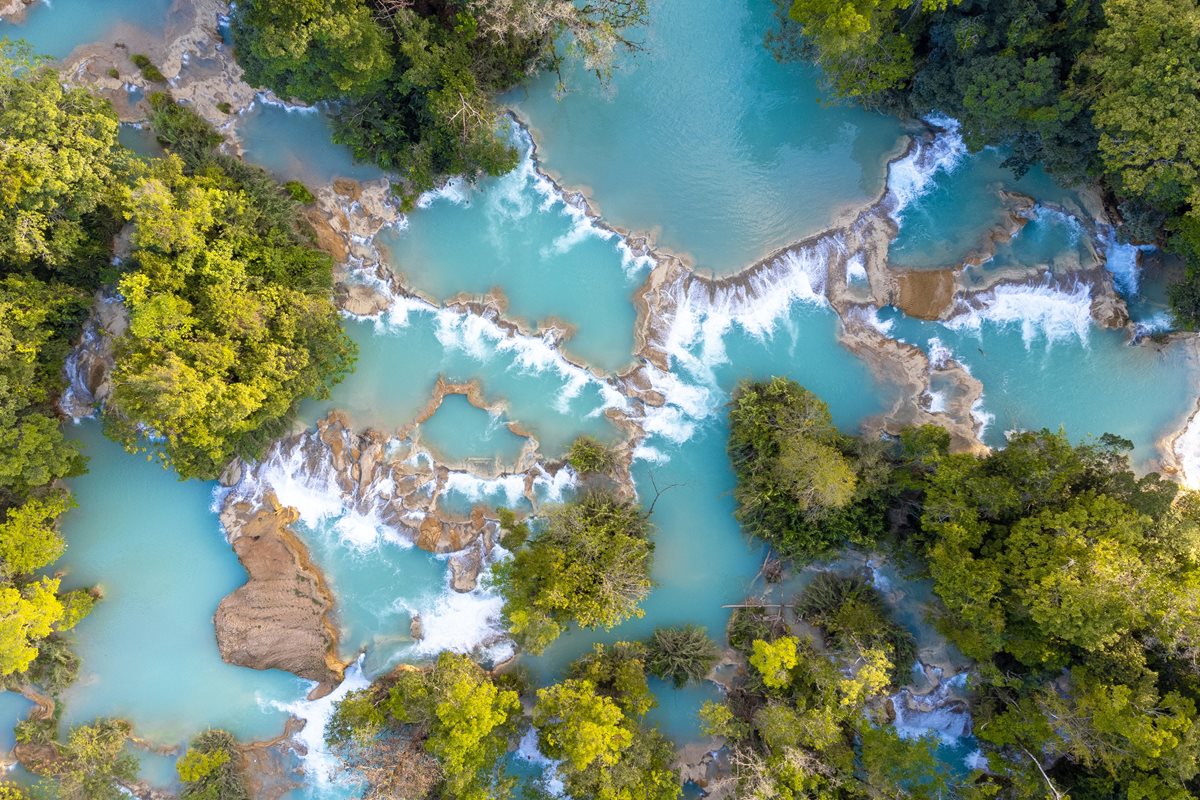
[(279, 619)]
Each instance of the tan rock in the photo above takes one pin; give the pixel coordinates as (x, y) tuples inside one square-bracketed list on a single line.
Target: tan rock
[(464, 570), (925, 293), (279, 619), (362, 300)]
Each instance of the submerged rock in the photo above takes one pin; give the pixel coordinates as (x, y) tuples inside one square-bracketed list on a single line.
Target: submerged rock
[(279, 619)]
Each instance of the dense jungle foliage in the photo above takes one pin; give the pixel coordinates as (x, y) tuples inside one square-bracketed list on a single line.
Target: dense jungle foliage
[(412, 84), (231, 324), (445, 732), (1104, 90), (1071, 582)]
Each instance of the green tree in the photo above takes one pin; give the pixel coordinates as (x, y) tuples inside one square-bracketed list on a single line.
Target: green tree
[(27, 615), (223, 340), (592, 722), (93, 764), (37, 321), (29, 538), (454, 712), (312, 49), (213, 768), (589, 565), (798, 476), (62, 171), (681, 654), (577, 725), (1147, 107), (775, 660)]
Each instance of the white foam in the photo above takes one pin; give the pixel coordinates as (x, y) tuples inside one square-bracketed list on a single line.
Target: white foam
[(463, 622), (476, 489), (983, 418), (551, 488), (912, 176), (1123, 260), (457, 190), (939, 713), (939, 355), (856, 269), (321, 767), (267, 99), (869, 316), (529, 751), (1043, 310)]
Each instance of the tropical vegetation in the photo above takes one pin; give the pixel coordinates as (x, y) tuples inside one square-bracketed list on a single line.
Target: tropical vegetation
[(1099, 90), (412, 85)]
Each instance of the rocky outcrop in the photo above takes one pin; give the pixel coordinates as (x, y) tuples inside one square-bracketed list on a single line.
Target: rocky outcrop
[(14, 10), (90, 364), (279, 619)]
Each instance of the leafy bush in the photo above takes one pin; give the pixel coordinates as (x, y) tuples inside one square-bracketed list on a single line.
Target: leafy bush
[(94, 763), (149, 71), (239, 349), (749, 623), (299, 192), (590, 456), (799, 484), (855, 617), (213, 768), (681, 654), (590, 565), (412, 85)]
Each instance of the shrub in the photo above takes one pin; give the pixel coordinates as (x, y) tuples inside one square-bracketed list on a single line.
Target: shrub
[(113, 72), (299, 192), (681, 654), (590, 456), (224, 107), (749, 623), (590, 565), (854, 616), (213, 768), (149, 71)]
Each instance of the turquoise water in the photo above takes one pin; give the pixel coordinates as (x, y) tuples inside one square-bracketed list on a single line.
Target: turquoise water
[(149, 652), (1060, 371), (723, 154), (458, 431), (515, 235), (55, 29), (706, 140), (294, 144), (943, 226), (1050, 240), (399, 363)]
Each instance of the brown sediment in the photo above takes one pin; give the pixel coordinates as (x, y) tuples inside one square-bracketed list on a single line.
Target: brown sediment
[(280, 618), (926, 293)]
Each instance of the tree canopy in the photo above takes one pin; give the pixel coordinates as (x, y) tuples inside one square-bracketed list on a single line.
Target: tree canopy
[(232, 320), (413, 83), (589, 564), (1091, 89), (802, 485)]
